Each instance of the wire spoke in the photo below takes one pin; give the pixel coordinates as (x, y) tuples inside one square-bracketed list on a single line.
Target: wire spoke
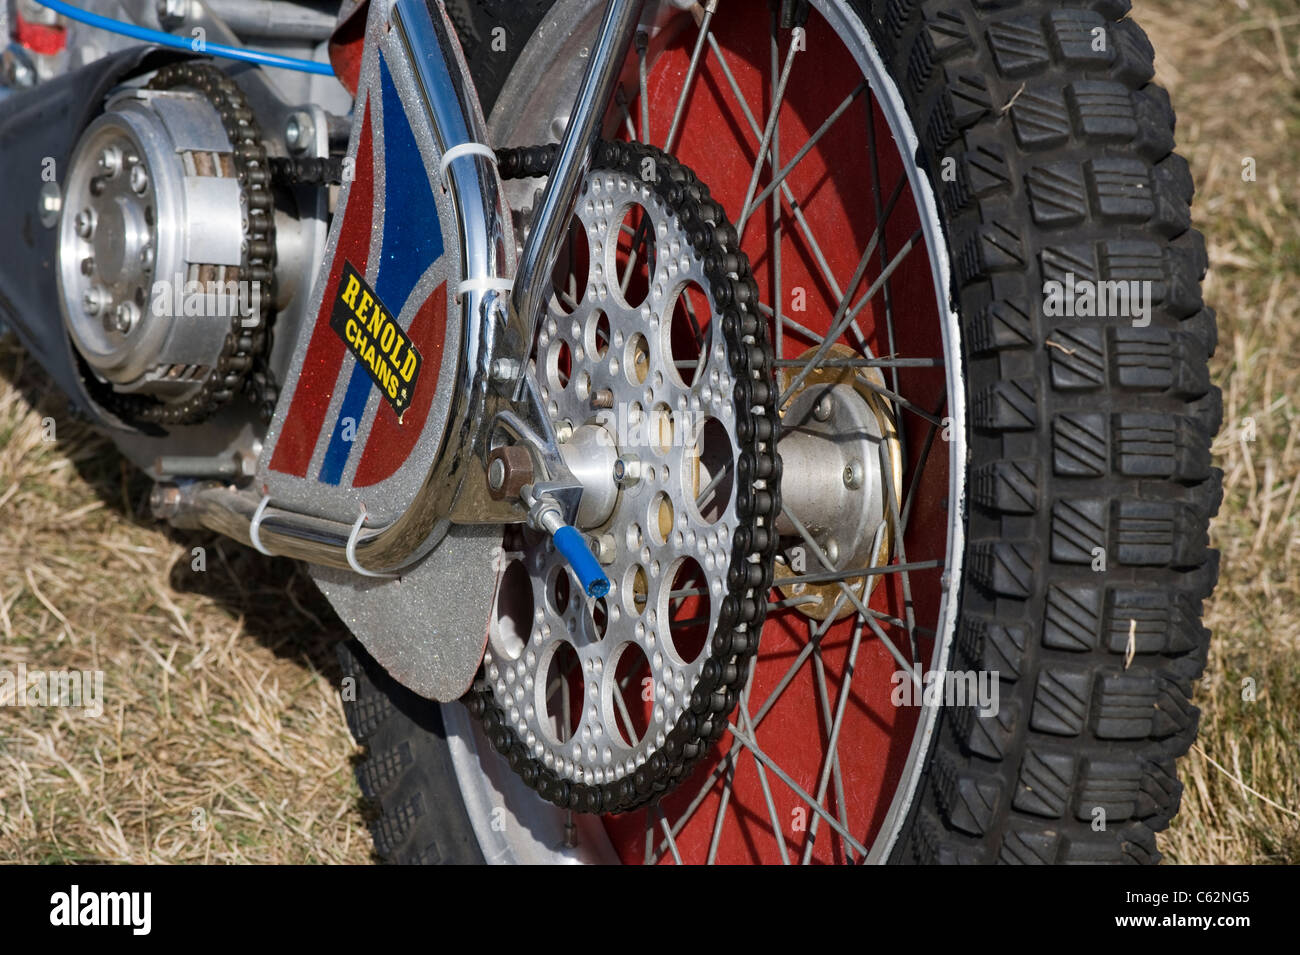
[(840, 578), (832, 745), (863, 363), (844, 316), (672, 843), (729, 759), (891, 502), (804, 150), (642, 44), (788, 322), (798, 790), (831, 576), (773, 116), (824, 701), (921, 464), (795, 209), (767, 790), (778, 227), (713, 484), (710, 7)]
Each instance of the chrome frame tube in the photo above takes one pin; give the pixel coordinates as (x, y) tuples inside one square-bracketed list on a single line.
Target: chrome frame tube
[(577, 148)]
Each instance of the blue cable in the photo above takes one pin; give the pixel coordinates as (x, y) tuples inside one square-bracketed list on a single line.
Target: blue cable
[(182, 43)]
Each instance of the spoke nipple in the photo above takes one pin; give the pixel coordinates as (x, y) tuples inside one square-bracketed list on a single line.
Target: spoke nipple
[(832, 552), (825, 407), (853, 475)]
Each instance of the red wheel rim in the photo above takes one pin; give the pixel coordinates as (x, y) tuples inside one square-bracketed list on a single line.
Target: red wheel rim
[(852, 178)]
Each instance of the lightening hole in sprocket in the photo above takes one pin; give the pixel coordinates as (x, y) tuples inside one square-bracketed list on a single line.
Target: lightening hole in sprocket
[(686, 605), (564, 693), (632, 684), (634, 256)]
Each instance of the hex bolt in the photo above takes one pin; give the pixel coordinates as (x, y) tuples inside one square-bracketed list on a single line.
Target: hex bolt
[(22, 75), (602, 398), (171, 12), (504, 370), (164, 501), (123, 318), (825, 407), (139, 180), (110, 161), (627, 471), (93, 300), (509, 471), (853, 475), (85, 223), (299, 130), (605, 548)]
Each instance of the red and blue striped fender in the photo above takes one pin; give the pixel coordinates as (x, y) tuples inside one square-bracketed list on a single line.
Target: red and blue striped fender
[(359, 420), (363, 413)]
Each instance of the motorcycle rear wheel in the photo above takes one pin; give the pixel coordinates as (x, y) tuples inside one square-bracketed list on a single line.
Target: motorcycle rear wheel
[(1057, 474)]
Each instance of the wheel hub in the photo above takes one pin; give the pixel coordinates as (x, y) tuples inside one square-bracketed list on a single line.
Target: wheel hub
[(842, 471)]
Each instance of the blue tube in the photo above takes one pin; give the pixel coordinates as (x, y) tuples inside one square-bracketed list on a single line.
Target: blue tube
[(575, 550), (146, 35)]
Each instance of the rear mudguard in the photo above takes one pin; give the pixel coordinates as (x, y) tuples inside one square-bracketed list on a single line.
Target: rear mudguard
[(381, 419)]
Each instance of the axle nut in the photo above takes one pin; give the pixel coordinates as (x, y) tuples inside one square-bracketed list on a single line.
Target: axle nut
[(510, 469)]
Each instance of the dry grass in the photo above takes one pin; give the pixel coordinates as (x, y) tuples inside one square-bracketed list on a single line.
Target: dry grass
[(222, 738), (1231, 67)]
